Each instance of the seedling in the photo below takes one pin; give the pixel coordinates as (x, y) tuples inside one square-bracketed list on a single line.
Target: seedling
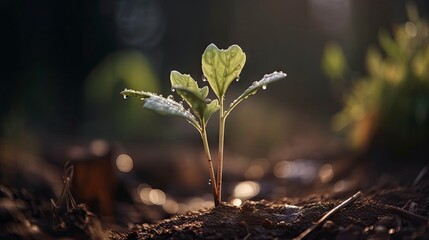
[(220, 69)]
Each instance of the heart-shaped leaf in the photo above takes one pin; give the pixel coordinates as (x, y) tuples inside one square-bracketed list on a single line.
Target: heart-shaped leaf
[(162, 105), (221, 67), (253, 89)]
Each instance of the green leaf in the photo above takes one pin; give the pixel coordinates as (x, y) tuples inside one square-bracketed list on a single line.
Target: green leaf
[(253, 89), (162, 105), (221, 67), (185, 81), (211, 108), (188, 89), (202, 108)]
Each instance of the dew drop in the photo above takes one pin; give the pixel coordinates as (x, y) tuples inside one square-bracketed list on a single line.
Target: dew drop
[(264, 87), (210, 182), (204, 78), (125, 96), (237, 79), (173, 89)]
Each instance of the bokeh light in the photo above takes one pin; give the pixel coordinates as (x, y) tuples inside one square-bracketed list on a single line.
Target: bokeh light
[(157, 196), (301, 169), (254, 172), (144, 195), (237, 202), (99, 147), (410, 29), (124, 163), (326, 173), (246, 189), (170, 206)]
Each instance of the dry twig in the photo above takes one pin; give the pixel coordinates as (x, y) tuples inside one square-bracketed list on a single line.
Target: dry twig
[(327, 215), (408, 215), (421, 174)]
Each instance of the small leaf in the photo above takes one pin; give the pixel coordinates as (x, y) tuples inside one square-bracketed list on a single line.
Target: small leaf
[(253, 89), (202, 108), (188, 89), (185, 81), (211, 108), (221, 67), (162, 105)]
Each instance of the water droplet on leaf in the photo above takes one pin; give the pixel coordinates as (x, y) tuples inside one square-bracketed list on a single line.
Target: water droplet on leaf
[(125, 96), (173, 89), (264, 87)]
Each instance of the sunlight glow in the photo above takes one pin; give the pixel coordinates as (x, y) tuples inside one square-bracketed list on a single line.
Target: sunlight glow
[(237, 202)]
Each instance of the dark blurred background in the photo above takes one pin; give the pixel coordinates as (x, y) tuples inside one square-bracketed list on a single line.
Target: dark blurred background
[(64, 64)]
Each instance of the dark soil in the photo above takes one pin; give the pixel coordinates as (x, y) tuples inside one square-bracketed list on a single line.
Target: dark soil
[(374, 215), (369, 217)]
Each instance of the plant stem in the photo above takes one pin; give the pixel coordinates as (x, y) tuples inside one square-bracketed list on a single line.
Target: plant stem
[(221, 144), (210, 162)]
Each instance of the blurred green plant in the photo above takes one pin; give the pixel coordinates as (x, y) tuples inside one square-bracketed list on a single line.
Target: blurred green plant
[(129, 68), (333, 61), (220, 68), (391, 103)]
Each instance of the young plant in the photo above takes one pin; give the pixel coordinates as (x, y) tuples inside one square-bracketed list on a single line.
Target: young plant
[(220, 68)]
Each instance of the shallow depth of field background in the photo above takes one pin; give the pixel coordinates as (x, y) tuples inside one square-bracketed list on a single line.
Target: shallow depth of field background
[(64, 64)]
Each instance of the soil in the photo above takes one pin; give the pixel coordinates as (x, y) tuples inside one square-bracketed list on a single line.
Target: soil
[(374, 215)]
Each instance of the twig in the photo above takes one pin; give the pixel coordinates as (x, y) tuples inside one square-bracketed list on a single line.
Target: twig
[(409, 215), (421, 174), (327, 215), (65, 193), (247, 236)]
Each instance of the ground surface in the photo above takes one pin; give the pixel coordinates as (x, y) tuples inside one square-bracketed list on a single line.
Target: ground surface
[(371, 216)]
